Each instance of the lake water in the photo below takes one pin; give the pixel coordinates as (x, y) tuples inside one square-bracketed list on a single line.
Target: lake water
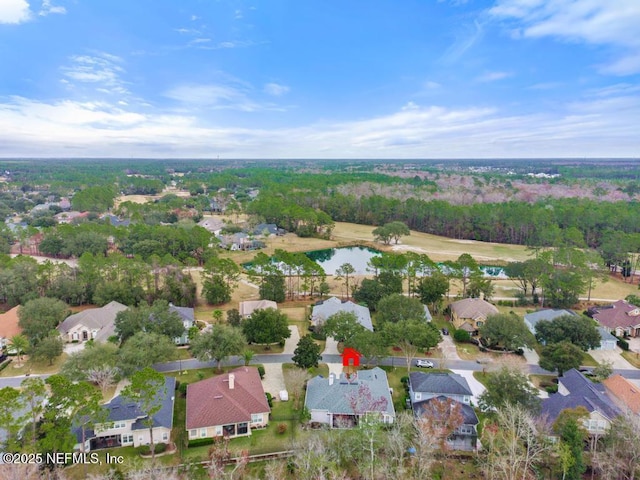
[(332, 258)]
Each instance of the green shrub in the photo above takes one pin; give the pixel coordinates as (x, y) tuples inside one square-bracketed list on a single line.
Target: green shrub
[(200, 442), (182, 390), (461, 336), (161, 447), (623, 344), (261, 371), (269, 399), (143, 450), (552, 389), (5, 364)]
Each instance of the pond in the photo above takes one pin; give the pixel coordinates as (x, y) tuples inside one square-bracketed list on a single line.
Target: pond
[(332, 258)]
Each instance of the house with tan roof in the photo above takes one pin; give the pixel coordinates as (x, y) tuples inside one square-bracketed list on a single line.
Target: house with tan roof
[(96, 324), (9, 326), (620, 318), (250, 306), (470, 313), (626, 395), (228, 405)]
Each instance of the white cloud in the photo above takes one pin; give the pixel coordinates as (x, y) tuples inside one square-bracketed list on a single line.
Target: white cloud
[(494, 76), (48, 9), (275, 89), (599, 125), (613, 23), (100, 69), (233, 94), (431, 85), (14, 11)]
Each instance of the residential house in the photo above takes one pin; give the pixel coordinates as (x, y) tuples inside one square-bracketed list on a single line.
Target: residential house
[(576, 390), (607, 341), (470, 313), (229, 405), (239, 241), (70, 217), (323, 310), (212, 225), (247, 308), (342, 401), (532, 319), (115, 220), (426, 388), (9, 326), (188, 318), (620, 318), (96, 324), (626, 394), (126, 424), (267, 230)]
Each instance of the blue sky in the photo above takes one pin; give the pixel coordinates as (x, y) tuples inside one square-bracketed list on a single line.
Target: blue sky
[(320, 78)]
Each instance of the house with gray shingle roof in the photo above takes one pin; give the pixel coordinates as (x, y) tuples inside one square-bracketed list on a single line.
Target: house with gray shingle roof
[(95, 323), (322, 311), (342, 401), (228, 405), (576, 390), (127, 424), (549, 314), (426, 389), (470, 313), (187, 316)]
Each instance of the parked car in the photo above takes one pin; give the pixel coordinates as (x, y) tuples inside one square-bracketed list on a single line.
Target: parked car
[(445, 331), (424, 363)]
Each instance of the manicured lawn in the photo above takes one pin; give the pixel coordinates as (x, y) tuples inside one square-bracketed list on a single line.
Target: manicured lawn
[(481, 377), (632, 358), (183, 353), (588, 360), (275, 348), (32, 367)]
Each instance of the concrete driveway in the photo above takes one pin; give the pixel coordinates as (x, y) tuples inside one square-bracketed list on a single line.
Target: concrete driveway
[(531, 356), (448, 348), (331, 347), (613, 356), (70, 348), (273, 381), (476, 387), (291, 343)]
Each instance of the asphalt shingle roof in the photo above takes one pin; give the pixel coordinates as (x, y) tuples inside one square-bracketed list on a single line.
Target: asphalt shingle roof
[(334, 305), (211, 402), (468, 414), (102, 319), (548, 314), (439, 383), (582, 393), (473, 308), (620, 314), (335, 397)]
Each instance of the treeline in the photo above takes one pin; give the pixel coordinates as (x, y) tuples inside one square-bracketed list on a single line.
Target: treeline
[(96, 280), (542, 223)]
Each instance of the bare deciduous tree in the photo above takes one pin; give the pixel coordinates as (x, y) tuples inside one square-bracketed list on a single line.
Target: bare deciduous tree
[(295, 379), (619, 458), (515, 444), (104, 376)]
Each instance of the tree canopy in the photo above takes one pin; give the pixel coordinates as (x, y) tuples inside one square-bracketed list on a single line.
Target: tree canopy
[(506, 330), (266, 326), (579, 330)]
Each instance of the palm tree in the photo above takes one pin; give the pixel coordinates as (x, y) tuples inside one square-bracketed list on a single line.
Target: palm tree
[(20, 344), (247, 355)]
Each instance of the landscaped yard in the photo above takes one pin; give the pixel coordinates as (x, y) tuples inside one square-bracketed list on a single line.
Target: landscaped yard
[(28, 366), (632, 357)]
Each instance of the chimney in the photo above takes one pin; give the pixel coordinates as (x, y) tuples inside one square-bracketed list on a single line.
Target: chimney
[(331, 378), (232, 379)]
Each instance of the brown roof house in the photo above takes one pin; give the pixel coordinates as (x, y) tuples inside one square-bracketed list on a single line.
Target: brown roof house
[(228, 405), (626, 394), (9, 326), (250, 306), (619, 318), (470, 313), (95, 323)]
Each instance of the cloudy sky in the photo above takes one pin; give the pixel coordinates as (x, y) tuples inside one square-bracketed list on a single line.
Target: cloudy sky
[(320, 78)]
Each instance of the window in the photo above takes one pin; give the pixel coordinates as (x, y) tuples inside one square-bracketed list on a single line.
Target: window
[(466, 399), (203, 432), (165, 437), (193, 433), (243, 428), (119, 424), (219, 431), (479, 324), (127, 438), (256, 418), (418, 396)]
